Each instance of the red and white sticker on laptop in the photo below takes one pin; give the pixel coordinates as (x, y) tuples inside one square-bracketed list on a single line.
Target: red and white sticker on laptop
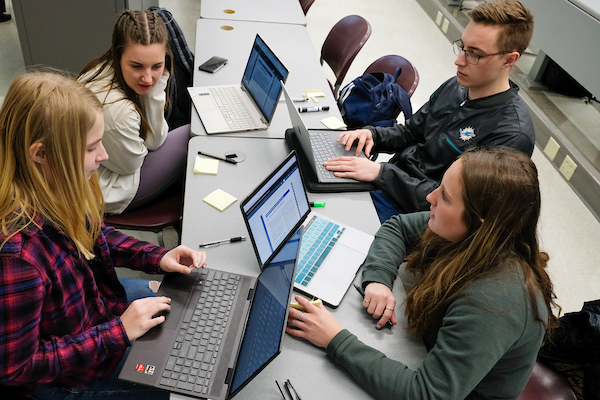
[(146, 369)]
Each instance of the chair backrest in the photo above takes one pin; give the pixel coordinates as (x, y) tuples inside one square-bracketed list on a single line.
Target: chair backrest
[(546, 384), (165, 210), (409, 77), (306, 5), (343, 43)]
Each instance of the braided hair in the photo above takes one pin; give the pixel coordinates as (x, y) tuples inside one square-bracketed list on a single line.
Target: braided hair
[(132, 27)]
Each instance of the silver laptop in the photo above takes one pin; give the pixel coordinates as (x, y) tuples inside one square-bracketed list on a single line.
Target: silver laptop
[(222, 330), (249, 105), (318, 145), (331, 252)]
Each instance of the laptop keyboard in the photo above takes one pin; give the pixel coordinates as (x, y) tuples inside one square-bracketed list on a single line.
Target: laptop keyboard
[(317, 241), (233, 109), (192, 360), (323, 151)]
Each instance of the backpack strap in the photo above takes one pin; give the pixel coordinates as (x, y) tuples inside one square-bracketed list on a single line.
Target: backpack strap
[(402, 98), (181, 50)]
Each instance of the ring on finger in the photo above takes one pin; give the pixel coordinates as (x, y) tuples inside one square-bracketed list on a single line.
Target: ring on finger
[(389, 308), (301, 316), (366, 301)]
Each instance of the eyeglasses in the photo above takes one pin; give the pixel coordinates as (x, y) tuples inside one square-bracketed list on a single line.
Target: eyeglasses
[(471, 57)]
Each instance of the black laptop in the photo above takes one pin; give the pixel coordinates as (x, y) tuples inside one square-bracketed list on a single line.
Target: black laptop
[(222, 330)]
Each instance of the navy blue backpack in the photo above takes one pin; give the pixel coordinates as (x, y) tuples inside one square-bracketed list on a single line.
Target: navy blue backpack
[(179, 112), (374, 99)]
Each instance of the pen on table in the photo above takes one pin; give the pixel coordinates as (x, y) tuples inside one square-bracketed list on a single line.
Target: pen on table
[(218, 242), (362, 293), (287, 389), (229, 160), (313, 109), (300, 99), (360, 290), (296, 393), (316, 204), (282, 395)]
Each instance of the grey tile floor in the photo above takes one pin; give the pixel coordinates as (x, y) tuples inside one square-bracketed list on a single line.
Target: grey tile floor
[(568, 231)]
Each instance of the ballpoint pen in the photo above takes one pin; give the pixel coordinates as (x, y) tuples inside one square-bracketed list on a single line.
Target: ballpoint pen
[(362, 293), (218, 242), (229, 160), (286, 385), (279, 387), (296, 393)]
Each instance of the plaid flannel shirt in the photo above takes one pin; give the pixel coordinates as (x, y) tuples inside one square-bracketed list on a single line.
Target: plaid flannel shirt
[(59, 313)]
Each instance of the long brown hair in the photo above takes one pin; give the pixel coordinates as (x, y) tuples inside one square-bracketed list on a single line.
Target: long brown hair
[(57, 112), (132, 27), (500, 187)]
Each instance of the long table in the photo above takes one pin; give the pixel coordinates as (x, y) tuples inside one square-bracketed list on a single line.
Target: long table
[(314, 375), (277, 11), (293, 47)]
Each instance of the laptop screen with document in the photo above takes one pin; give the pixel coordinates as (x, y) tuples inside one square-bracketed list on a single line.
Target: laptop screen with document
[(262, 77), (275, 209)]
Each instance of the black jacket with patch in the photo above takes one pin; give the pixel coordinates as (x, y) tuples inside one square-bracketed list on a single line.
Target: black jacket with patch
[(439, 132)]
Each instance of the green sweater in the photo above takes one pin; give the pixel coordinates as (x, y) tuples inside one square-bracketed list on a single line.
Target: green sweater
[(485, 348)]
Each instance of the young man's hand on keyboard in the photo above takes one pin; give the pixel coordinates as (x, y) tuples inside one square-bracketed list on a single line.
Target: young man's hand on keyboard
[(361, 169)]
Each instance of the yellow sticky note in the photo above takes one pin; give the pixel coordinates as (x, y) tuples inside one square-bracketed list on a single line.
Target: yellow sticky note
[(314, 93), (220, 199), (204, 165), (333, 123)]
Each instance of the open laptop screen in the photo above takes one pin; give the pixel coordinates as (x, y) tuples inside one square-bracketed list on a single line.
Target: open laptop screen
[(262, 77), (268, 316), (275, 209)]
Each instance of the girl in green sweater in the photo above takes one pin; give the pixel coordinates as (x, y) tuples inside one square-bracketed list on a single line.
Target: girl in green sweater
[(482, 301)]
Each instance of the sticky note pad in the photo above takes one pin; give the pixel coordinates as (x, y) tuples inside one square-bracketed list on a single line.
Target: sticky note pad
[(204, 165), (333, 123), (314, 93), (220, 199)]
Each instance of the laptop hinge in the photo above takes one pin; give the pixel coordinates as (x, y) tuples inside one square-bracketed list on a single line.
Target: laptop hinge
[(264, 121), (229, 376), (250, 294)]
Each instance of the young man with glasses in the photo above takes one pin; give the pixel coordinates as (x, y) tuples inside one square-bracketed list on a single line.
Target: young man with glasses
[(480, 106)]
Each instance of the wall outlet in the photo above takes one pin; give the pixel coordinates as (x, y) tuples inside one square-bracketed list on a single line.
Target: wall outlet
[(445, 25), (568, 167), (552, 148), (438, 18)]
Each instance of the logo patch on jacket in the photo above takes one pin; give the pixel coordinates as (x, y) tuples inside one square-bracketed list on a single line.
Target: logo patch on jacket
[(467, 134)]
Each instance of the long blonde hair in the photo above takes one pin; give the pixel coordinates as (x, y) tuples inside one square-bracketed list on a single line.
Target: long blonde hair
[(500, 187), (58, 112)]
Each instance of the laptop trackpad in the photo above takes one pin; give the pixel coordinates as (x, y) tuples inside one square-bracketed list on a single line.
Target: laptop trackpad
[(204, 101), (333, 279), (177, 287), (339, 149)]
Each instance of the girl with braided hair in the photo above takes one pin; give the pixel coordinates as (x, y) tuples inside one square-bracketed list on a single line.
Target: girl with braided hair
[(131, 80)]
